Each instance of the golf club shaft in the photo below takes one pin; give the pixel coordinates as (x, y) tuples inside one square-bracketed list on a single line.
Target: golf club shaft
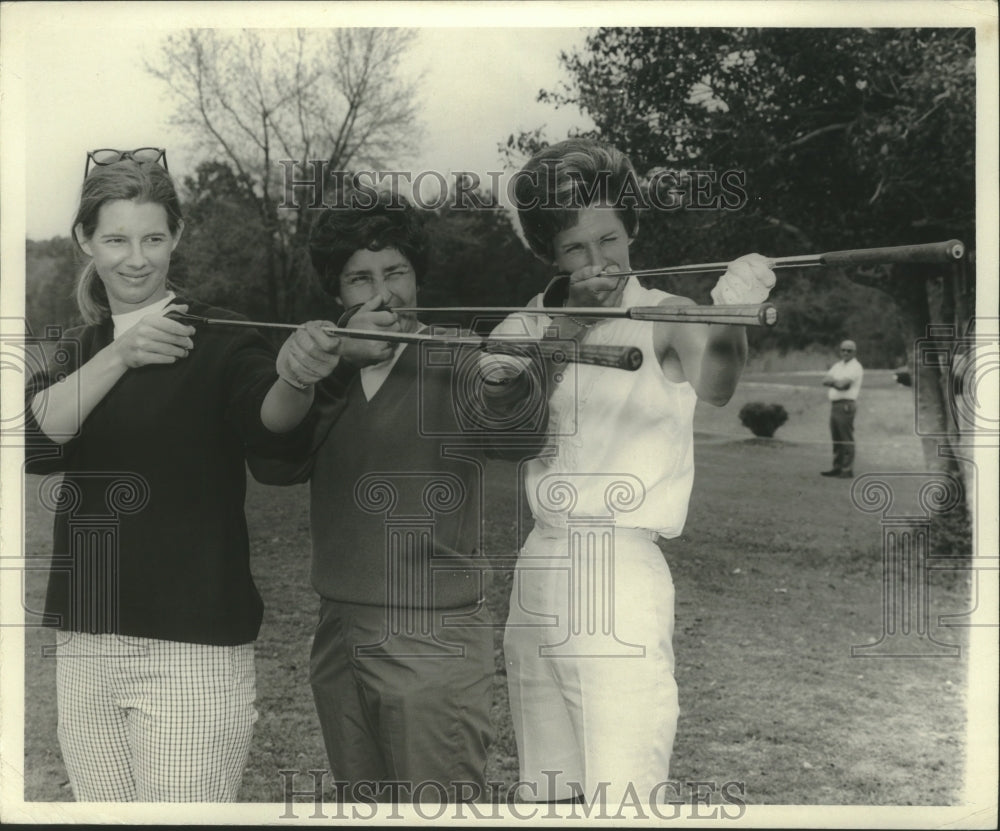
[(763, 314), (615, 357)]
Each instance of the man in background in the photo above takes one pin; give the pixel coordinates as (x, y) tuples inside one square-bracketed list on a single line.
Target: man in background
[(844, 382)]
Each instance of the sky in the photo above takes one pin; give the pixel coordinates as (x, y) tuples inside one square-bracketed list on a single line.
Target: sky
[(79, 81), (92, 92)]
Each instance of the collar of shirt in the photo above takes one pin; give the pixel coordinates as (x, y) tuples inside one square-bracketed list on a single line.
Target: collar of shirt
[(631, 294), (372, 377), (124, 322)]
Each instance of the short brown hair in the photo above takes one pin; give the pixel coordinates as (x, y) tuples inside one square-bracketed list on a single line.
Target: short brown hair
[(561, 180)]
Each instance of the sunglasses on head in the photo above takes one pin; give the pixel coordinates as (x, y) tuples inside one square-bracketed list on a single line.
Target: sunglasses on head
[(107, 156)]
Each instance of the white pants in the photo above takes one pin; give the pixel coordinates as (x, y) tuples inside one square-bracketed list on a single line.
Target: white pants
[(154, 721), (590, 664)]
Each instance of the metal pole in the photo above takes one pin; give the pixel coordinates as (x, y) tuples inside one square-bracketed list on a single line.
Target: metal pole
[(615, 357), (764, 314)]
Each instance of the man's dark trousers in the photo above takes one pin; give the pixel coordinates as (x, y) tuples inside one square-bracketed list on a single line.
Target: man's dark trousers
[(842, 429)]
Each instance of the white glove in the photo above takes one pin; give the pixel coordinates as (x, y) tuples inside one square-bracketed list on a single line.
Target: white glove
[(308, 356), (749, 280)]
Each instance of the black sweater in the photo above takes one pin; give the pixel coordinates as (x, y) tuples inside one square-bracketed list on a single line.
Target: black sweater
[(150, 534), (396, 482)]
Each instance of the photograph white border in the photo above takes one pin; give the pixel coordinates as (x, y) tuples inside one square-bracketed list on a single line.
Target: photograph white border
[(18, 18)]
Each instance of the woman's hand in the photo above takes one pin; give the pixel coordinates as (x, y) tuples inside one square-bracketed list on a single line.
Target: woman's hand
[(309, 355), (595, 285), (370, 317), (154, 340)]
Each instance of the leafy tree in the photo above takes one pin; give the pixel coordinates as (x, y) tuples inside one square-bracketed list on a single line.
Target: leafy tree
[(846, 135), (847, 138), (477, 259), (51, 267), (220, 259), (268, 103)]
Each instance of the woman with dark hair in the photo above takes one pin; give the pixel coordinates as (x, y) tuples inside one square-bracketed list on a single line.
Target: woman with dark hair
[(588, 641), (347, 249), (150, 429), (402, 658)]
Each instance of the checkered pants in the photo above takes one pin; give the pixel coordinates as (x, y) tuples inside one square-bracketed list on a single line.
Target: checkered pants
[(154, 721)]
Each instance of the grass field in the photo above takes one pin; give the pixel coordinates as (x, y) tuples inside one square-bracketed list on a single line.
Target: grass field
[(777, 576)]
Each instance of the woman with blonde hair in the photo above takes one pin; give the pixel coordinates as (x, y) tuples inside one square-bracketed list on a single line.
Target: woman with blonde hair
[(154, 660)]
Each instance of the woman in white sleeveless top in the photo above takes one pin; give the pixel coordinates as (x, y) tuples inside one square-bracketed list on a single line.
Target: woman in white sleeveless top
[(588, 638)]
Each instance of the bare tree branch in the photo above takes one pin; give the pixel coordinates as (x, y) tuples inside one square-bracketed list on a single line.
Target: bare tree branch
[(829, 128), (259, 97)]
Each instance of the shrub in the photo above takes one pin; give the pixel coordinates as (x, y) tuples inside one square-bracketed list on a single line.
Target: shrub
[(951, 534), (763, 419)]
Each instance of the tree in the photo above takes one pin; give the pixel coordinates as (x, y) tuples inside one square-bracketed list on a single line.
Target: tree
[(477, 258), (221, 260), (847, 138), (841, 133), (51, 268), (271, 102)]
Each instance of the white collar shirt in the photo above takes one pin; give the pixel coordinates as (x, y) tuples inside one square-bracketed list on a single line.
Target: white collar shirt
[(126, 321), (373, 377)]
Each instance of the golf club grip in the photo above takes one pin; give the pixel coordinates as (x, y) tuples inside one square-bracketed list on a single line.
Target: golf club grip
[(628, 358), (933, 252), (763, 314)]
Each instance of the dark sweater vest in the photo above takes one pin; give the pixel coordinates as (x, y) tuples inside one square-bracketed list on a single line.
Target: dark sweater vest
[(396, 482), (395, 520)]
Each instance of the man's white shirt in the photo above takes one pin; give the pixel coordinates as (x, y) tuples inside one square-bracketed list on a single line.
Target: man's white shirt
[(851, 371)]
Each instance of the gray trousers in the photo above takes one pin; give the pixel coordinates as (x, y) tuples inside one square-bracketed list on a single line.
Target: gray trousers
[(403, 698), (842, 429)]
